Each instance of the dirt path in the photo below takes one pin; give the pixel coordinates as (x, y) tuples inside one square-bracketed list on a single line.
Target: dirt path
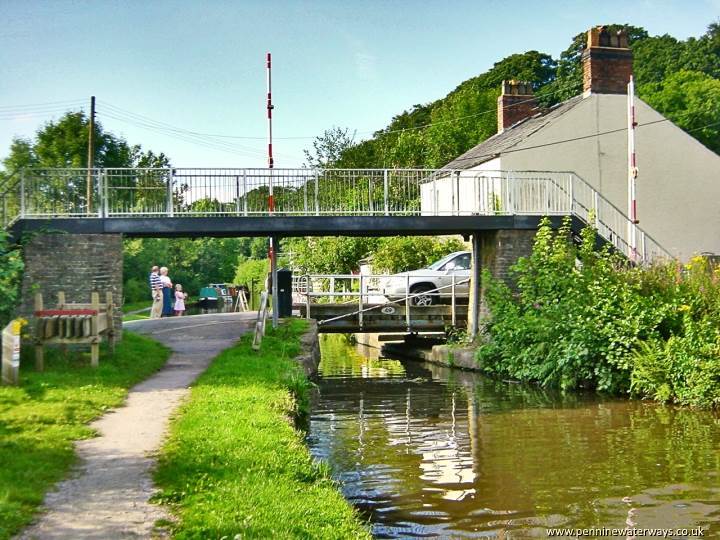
[(106, 496)]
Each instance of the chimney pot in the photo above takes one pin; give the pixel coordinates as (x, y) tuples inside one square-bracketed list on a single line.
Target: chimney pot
[(516, 102), (607, 62)]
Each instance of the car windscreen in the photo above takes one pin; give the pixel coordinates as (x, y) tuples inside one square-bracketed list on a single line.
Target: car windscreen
[(437, 264)]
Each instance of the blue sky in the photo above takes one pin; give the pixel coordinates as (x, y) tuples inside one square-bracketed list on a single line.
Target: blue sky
[(200, 66)]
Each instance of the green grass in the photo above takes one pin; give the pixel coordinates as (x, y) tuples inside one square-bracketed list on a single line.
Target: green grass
[(135, 317), (135, 306), (235, 465), (40, 419)]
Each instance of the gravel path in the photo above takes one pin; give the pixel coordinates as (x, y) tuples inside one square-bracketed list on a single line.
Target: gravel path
[(106, 496)]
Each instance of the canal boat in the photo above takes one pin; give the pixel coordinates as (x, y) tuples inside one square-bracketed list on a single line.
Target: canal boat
[(208, 298)]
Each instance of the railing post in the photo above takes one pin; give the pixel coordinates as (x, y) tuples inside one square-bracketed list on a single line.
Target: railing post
[(237, 195), (245, 194), (644, 249), (360, 303), (317, 194), (408, 322), (596, 208), (452, 302), (305, 198), (99, 173), (434, 191), (22, 193), (307, 296), (371, 207), (386, 193), (572, 193), (106, 194), (170, 201)]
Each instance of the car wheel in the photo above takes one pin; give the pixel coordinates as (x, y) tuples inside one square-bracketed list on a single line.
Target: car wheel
[(427, 299)]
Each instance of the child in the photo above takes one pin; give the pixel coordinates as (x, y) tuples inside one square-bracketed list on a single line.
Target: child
[(179, 300)]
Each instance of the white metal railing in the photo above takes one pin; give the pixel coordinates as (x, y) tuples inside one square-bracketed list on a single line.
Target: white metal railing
[(370, 293), (116, 192)]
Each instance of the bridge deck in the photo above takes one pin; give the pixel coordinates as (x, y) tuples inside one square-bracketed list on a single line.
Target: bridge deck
[(278, 225)]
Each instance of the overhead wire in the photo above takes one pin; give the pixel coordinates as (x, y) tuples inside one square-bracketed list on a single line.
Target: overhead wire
[(579, 138)]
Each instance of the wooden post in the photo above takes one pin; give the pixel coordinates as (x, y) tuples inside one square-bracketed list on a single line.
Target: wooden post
[(110, 321), (11, 353), (95, 344), (39, 349)]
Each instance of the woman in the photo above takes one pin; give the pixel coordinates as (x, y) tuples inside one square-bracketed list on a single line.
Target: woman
[(167, 292)]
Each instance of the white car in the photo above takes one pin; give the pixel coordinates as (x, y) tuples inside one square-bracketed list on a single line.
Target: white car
[(432, 283)]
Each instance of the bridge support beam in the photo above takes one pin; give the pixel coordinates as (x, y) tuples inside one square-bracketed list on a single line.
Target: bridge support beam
[(495, 251), (76, 264)]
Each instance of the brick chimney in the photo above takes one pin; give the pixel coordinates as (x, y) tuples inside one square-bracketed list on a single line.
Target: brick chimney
[(515, 103), (607, 62)]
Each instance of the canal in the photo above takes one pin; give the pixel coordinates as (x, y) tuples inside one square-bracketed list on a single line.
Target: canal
[(426, 451)]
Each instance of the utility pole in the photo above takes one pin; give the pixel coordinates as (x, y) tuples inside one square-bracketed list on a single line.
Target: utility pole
[(91, 155), (271, 202), (632, 171)]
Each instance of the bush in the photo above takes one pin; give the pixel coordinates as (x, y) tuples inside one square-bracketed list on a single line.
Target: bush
[(584, 318), (403, 253), (11, 267)]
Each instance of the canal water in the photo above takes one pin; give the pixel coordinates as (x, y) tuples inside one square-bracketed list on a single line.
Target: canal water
[(425, 451)]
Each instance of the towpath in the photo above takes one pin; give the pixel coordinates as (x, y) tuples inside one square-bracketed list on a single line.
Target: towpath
[(106, 496)]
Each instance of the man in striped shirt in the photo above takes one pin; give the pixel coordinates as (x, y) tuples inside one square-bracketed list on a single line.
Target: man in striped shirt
[(156, 291)]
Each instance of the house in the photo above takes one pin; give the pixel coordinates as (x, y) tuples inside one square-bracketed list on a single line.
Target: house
[(678, 181)]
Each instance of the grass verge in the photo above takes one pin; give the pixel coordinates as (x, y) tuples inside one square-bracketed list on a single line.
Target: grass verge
[(235, 465), (40, 419), (136, 306)]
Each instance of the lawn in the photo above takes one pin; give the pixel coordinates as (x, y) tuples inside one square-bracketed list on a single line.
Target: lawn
[(136, 306), (236, 467), (40, 419)]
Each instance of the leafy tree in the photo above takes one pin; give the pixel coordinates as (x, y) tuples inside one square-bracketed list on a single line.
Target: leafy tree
[(329, 254), (11, 267), (328, 148), (402, 253), (691, 100)]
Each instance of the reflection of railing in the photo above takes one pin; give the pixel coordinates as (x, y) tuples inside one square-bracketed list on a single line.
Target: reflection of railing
[(376, 291), (115, 192)]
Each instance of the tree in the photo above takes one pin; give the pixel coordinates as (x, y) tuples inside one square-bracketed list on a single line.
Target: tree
[(403, 253), (692, 101), (329, 254), (328, 148)]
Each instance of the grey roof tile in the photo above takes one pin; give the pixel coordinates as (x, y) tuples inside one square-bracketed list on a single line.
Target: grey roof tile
[(497, 144)]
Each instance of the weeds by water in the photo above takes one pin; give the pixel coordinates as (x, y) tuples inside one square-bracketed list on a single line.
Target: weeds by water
[(235, 466), (40, 419)]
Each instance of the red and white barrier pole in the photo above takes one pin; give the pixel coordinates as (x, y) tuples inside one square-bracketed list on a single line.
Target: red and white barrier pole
[(632, 171), (271, 202)]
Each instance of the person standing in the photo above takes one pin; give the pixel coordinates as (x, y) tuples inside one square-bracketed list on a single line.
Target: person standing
[(167, 303), (156, 290), (180, 297)]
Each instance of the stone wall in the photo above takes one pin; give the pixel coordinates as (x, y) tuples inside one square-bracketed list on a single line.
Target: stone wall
[(75, 263), (502, 249)]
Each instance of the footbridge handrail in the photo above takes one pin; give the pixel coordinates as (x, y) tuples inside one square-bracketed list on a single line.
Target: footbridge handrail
[(242, 192)]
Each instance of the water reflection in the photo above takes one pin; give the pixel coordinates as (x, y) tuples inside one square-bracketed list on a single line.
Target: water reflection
[(427, 451)]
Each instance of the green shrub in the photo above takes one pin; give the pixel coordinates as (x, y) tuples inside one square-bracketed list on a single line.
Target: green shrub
[(11, 267), (583, 318)]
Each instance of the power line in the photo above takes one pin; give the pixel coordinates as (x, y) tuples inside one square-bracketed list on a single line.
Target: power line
[(580, 138), (384, 132), (4, 108)]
